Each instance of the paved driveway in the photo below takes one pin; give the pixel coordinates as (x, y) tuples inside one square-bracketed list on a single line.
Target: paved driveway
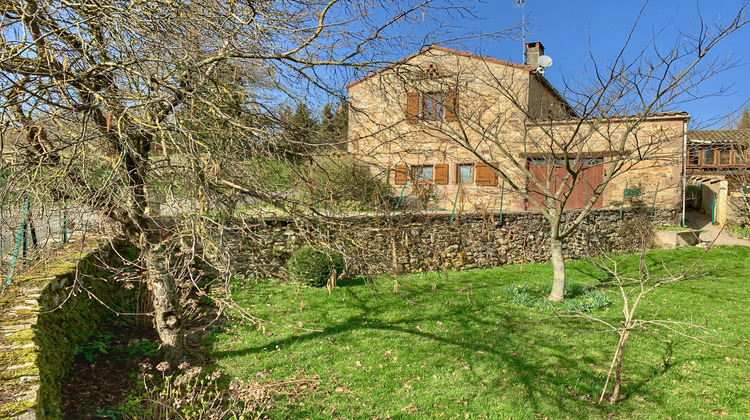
[(697, 220)]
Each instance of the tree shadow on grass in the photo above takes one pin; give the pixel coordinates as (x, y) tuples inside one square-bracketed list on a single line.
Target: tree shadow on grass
[(357, 281), (508, 337)]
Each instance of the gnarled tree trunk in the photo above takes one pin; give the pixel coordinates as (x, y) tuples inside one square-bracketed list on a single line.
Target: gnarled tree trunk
[(167, 309)]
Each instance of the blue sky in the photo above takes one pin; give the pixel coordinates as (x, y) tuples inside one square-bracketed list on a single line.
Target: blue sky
[(567, 27)]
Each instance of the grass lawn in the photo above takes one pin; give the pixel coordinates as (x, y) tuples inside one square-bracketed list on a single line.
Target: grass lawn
[(458, 347)]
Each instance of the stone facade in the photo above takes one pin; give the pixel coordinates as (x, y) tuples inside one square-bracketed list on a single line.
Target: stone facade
[(425, 242), (506, 115)]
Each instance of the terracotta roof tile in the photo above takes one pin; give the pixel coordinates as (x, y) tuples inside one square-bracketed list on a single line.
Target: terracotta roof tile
[(443, 49), (720, 136)]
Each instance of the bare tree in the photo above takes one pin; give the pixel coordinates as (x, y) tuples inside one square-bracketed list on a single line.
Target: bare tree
[(634, 286), (123, 104), (554, 151)]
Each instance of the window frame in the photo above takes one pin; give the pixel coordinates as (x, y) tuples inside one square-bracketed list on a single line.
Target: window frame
[(416, 169), (458, 173), (433, 106)]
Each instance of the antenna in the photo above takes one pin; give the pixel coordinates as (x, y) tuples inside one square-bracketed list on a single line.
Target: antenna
[(522, 4), (543, 61)]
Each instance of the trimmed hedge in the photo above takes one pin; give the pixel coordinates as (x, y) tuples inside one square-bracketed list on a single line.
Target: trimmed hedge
[(315, 265)]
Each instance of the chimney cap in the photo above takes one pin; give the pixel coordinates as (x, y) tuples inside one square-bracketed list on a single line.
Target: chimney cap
[(534, 44)]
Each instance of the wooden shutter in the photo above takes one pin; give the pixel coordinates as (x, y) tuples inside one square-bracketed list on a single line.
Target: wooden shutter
[(441, 173), (484, 175), (401, 173), (451, 105), (412, 107)]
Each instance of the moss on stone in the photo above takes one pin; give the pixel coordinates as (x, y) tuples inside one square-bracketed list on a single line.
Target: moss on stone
[(14, 408), (21, 337), (7, 375), (17, 357)]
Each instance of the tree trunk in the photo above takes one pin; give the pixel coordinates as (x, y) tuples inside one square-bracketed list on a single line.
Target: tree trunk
[(618, 367), (558, 268), (167, 314)]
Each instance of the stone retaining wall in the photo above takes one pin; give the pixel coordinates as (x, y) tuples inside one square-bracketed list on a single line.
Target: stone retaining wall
[(44, 313), (420, 242)]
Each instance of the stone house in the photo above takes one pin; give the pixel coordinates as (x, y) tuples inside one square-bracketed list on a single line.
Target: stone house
[(441, 124)]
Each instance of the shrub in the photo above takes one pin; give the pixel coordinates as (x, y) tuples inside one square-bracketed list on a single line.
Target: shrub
[(192, 395), (315, 265)]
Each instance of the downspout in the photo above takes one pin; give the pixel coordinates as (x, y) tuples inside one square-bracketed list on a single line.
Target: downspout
[(684, 167)]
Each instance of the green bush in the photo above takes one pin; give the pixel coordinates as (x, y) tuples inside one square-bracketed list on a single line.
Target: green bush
[(315, 265)]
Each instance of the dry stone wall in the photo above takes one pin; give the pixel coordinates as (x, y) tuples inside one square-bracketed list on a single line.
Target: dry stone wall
[(44, 313), (423, 242)]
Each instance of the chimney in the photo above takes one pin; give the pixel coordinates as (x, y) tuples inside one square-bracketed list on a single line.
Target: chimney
[(533, 51)]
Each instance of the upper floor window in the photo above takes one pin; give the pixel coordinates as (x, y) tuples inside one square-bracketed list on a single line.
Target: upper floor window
[(709, 156), (432, 109), (431, 106)]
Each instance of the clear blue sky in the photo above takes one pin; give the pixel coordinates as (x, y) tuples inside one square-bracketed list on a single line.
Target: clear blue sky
[(566, 27)]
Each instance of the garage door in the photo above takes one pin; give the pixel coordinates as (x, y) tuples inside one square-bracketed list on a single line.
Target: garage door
[(582, 189)]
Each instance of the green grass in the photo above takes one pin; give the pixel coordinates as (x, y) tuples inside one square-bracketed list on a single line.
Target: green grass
[(671, 228), (465, 349)]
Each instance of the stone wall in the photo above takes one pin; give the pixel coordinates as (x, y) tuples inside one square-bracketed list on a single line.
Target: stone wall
[(44, 313), (422, 242)]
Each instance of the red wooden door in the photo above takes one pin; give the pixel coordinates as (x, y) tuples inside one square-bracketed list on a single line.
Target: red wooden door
[(580, 191)]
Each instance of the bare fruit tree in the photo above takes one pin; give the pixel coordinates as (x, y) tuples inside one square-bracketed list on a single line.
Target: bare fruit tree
[(633, 283), (128, 106)]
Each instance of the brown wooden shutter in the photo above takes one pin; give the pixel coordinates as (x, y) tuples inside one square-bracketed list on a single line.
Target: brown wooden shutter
[(401, 173), (441, 173), (412, 107), (451, 105), (484, 175)]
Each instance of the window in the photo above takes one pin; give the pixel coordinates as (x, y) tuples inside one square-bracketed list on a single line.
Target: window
[(709, 156), (724, 156), (422, 173), (437, 173), (740, 155), (694, 155), (432, 109), (431, 106), (465, 173)]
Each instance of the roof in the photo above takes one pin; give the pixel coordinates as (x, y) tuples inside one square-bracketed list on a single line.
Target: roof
[(613, 118), (719, 136), (442, 49)]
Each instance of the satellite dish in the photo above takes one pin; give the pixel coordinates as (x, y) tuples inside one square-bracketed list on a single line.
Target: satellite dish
[(544, 61)]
